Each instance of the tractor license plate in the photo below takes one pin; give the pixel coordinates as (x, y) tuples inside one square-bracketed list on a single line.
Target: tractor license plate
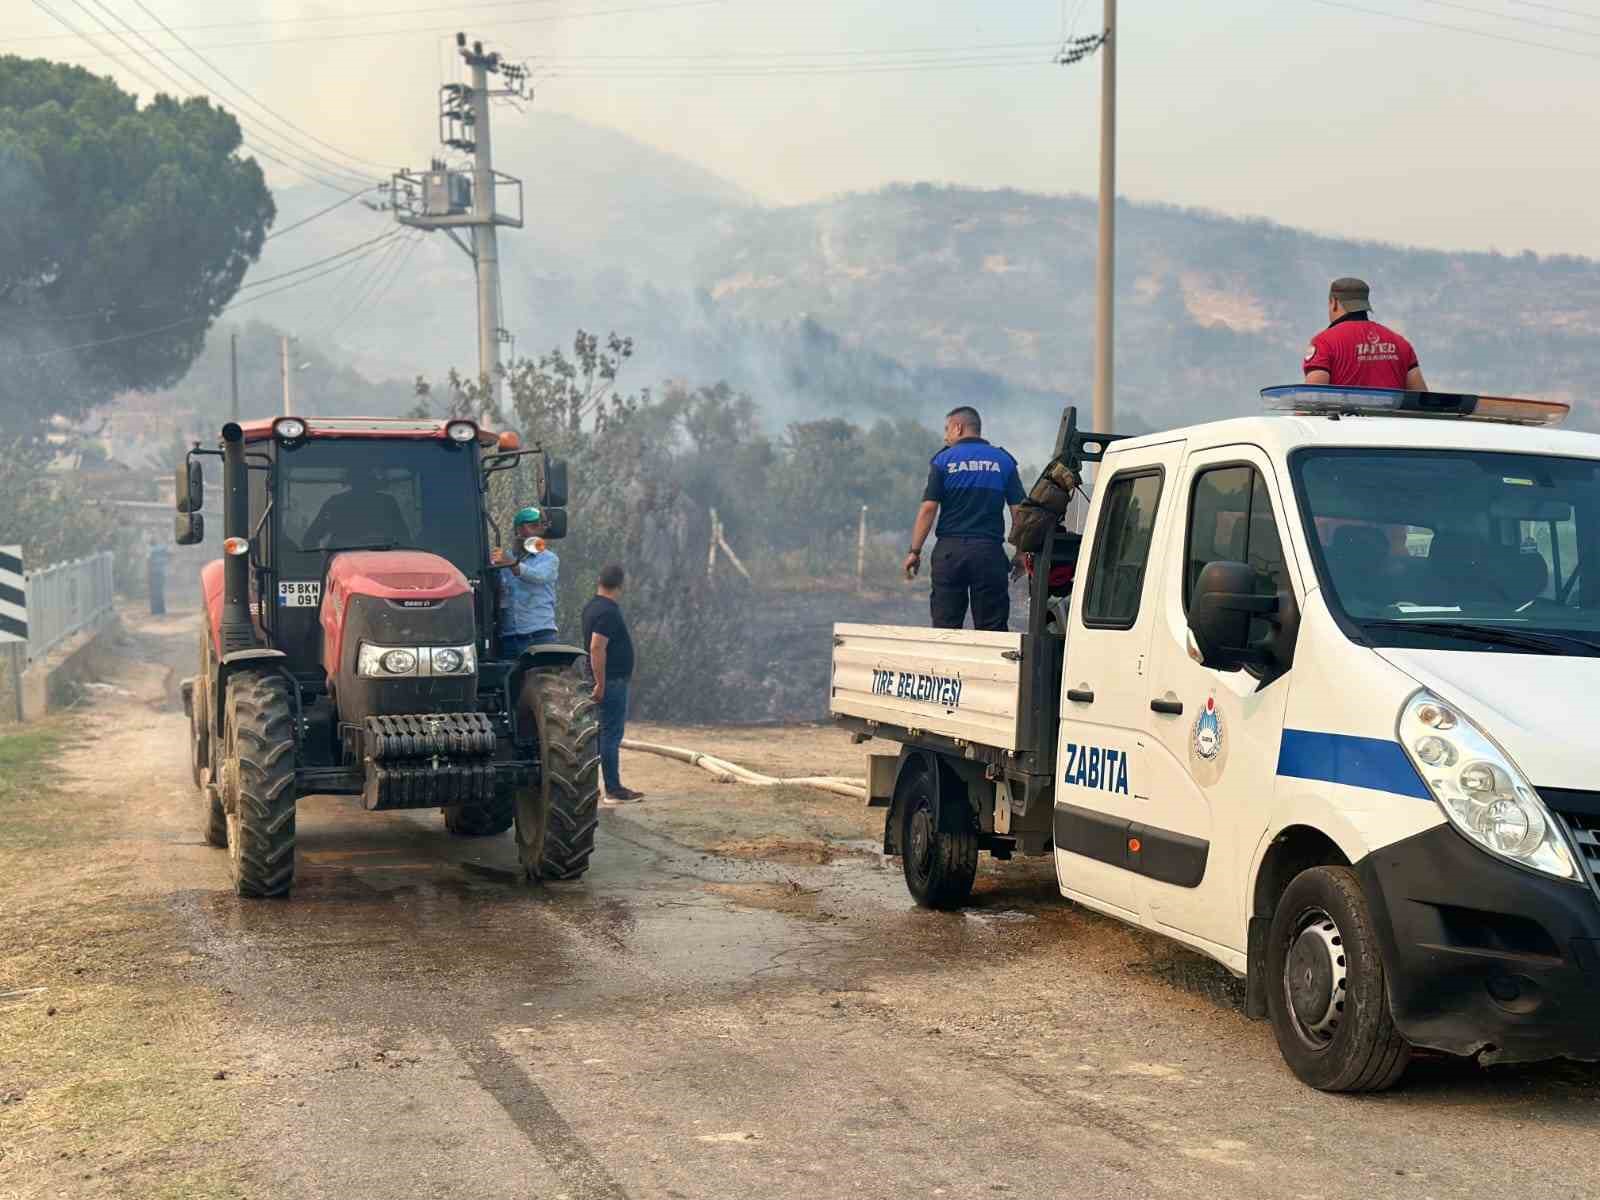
[(299, 595)]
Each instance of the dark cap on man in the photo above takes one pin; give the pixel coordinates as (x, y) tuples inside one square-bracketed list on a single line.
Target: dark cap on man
[(1352, 294)]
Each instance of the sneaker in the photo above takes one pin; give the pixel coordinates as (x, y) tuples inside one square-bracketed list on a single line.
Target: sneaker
[(622, 796)]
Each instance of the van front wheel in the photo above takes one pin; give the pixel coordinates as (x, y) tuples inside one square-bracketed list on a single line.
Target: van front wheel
[(1325, 987)]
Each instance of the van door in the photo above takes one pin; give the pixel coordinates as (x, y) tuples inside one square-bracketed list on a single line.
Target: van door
[(1214, 735), (1101, 779)]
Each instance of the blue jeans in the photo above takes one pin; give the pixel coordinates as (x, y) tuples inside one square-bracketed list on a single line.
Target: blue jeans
[(613, 720), (513, 644)]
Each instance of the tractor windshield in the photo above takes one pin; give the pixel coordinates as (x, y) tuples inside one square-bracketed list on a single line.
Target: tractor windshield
[(389, 493)]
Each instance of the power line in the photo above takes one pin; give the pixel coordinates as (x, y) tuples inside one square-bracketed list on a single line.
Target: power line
[(815, 70), (348, 289), (156, 87), (434, 29), (310, 158), (381, 289), (1571, 12), (758, 56), (171, 325), (231, 82), (110, 310), (320, 213), (1467, 29), (354, 16), (1504, 16), (382, 237)]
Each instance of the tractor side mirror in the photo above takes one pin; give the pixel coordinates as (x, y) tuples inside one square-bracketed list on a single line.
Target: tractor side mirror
[(189, 529), (554, 492), (1220, 611), (555, 523), (190, 488)]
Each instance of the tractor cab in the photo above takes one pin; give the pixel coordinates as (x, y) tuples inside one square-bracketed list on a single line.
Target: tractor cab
[(356, 581)]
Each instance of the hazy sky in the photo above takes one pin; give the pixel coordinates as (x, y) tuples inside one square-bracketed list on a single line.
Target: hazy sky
[(1308, 112)]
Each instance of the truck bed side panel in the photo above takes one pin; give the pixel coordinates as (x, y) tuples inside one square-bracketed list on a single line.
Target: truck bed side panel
[(956, 682)]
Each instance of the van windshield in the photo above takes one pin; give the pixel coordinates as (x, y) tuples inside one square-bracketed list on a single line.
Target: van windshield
[(1456, 549)]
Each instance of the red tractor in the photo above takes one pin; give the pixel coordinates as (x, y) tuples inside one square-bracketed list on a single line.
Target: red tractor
[(348, 646)]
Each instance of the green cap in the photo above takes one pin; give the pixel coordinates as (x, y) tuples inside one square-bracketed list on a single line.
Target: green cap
[(529, 516)]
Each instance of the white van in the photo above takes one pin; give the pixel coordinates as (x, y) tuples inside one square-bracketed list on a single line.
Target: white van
[(1315, 717)]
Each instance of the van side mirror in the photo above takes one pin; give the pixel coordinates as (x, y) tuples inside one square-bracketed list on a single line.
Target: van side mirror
[(190, 487), (189, 529), (553, 489), (1220, 611), (555, 523)]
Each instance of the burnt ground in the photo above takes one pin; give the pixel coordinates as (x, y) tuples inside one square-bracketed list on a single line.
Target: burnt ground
[(737, 1001)]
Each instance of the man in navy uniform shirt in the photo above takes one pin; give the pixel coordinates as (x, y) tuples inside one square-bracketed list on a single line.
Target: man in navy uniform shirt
[(970, 485)]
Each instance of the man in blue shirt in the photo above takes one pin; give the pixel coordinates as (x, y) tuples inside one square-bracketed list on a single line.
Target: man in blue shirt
[(970, 485), (527, 588)]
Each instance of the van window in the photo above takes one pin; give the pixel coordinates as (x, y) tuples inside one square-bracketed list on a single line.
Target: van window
[(1122, 551), (1230, 520)]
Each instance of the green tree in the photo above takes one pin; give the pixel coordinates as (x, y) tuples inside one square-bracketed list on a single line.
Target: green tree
[(124, 231)]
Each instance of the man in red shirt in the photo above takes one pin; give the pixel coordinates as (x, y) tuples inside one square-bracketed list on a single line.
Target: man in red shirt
[(1355, 351)]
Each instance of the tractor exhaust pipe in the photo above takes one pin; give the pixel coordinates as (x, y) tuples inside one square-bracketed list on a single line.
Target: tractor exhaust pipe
[(238, 632)]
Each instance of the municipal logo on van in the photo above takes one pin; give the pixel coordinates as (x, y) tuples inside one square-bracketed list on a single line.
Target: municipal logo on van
[(1208, 731)]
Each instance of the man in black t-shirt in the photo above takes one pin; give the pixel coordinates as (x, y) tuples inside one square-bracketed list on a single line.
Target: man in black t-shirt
[(605, 634)]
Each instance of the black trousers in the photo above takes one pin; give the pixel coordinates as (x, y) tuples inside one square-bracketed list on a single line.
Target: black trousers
[(975, 568)]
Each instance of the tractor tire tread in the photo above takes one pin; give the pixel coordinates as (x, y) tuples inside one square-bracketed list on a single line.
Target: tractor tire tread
[(263, 744), (569, 726)]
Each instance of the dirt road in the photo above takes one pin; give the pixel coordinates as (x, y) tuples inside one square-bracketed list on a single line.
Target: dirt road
[(739, 1000)]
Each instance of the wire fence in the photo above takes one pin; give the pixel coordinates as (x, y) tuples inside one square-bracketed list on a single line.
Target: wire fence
[(66, 598)]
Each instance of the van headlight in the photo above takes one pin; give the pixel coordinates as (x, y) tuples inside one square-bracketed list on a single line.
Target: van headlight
[(1480, 789), (396, 662)]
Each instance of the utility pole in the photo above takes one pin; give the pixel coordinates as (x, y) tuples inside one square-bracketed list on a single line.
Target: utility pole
[(485, 240), (1105, 263), (288, 390), (233, 368), (443, 198)]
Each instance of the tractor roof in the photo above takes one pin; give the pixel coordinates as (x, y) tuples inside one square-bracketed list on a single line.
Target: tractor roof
[(353, 427)]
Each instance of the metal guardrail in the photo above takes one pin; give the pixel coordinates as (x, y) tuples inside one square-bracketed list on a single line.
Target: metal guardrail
[(65, 598)]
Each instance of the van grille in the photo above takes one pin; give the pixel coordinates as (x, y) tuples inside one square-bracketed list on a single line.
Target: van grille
[(1586, 832), (1580, 813)]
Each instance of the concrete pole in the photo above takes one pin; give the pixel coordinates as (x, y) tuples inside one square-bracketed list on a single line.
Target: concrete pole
[(486, 248), (861, 551), (233, 367), (1105, 264), (288, 376)]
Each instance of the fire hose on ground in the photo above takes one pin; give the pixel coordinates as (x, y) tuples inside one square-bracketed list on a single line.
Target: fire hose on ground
[(727, 772)]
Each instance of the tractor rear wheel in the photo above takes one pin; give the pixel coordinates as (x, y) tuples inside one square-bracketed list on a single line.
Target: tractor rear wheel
[(482, 820), (257, 783), (213, 817), (556, 818)]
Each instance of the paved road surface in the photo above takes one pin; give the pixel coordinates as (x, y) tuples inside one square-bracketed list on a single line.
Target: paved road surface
[(681, 1024)]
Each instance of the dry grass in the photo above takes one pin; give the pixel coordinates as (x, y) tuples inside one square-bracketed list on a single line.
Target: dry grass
[(108, 1054)]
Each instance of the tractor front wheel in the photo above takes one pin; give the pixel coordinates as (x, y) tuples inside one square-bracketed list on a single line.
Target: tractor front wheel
[(556, 818), (257, 783)]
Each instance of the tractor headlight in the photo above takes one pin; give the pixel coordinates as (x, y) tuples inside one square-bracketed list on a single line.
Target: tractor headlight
[(394, 662), (461, 431), (453, 660), (398, 662), (1480, 789), (289, 429)]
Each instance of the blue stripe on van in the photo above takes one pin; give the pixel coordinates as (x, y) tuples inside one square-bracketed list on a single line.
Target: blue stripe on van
[(1376, 763)]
